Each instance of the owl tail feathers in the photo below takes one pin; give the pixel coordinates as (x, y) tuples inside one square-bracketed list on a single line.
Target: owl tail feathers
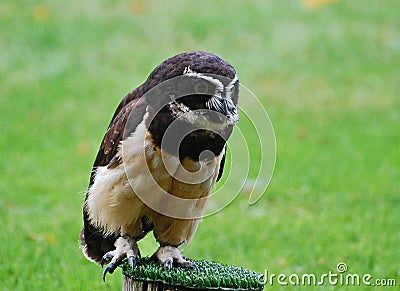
[(94, 243)]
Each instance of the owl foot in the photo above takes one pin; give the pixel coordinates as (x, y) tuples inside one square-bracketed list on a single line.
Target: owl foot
[(125, 246), (169, 256)]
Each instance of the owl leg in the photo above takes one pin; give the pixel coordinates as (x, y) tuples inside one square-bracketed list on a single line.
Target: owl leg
[(125, 246), (169, 256)]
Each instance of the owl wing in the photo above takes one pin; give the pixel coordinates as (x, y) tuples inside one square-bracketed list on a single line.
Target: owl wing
[(94, 242), (117, 131)]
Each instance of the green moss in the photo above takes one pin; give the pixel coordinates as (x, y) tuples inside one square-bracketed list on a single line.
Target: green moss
[(211, 275)]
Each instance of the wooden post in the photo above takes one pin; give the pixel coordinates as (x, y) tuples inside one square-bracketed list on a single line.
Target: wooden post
[(128, 284)]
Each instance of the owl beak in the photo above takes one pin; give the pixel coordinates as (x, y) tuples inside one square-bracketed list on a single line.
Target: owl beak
[(224, 110), (230, 110)]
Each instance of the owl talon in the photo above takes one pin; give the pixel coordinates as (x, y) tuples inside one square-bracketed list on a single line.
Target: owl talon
[(107, 258), (125, 246), (188, 265), (168, 264), (194, 267), (109, 269), (169, 256), (132, 262)]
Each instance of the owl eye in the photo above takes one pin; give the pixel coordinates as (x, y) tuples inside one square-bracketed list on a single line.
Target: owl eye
[(201, 88)]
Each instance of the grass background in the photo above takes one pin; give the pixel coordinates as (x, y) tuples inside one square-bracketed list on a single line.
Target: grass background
[(328, 76)]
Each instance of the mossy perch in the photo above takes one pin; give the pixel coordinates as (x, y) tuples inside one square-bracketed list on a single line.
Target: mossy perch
[(149, 275)]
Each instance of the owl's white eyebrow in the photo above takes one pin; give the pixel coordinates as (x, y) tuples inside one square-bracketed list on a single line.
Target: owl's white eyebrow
[(228, 88), (218, 84)]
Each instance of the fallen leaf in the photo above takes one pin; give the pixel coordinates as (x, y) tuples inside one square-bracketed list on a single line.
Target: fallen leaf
[(282, 262), (43, 237), (315, 4), (10, 204), (138, 7), (83, 148), (41, 12)]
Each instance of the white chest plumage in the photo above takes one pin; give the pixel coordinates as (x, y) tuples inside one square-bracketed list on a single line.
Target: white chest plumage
[(152, 183)]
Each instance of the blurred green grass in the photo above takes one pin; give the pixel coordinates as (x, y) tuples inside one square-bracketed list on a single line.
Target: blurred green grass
[(328, 78)]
